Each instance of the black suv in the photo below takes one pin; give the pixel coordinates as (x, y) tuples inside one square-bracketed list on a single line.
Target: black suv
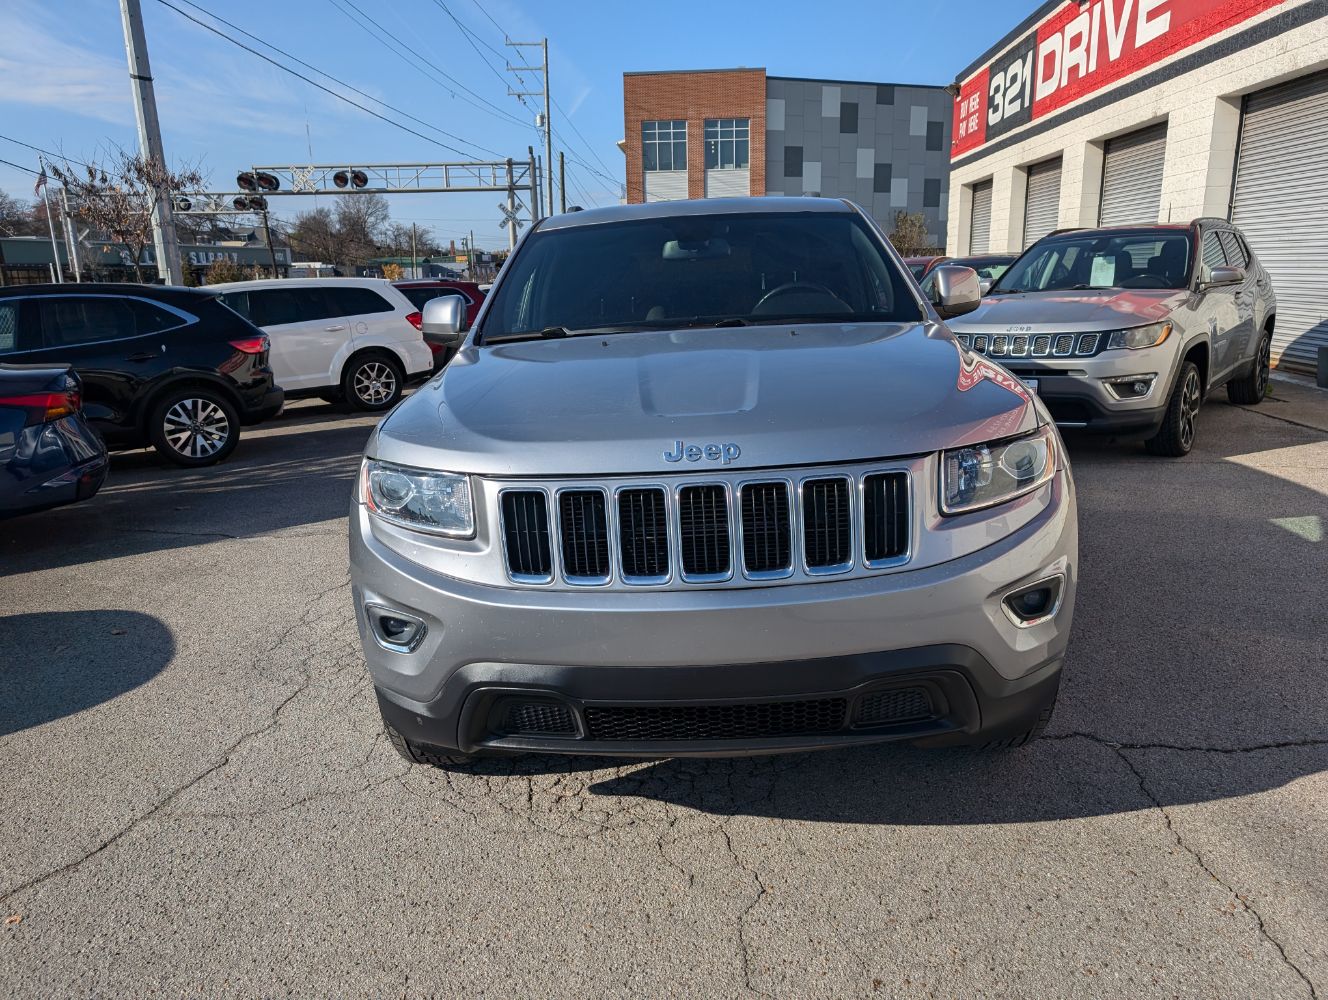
[(171, 367)]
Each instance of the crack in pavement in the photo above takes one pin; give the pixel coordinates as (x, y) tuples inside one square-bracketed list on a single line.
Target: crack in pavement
[(162, 802), (1178, 748), (1199, 859)]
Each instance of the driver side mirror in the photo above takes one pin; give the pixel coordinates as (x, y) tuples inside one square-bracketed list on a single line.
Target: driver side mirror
[(442, 319), (955, 291), (1226, 276), (984, 285)]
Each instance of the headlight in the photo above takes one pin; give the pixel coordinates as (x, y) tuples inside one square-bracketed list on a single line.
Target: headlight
[(987, 474), (436, 502), (1139, 336)]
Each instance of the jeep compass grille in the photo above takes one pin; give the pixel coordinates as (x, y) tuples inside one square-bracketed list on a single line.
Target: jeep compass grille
[(743, 720), (827, 532), (526, 535), (1042, 346), (585, 535), (766, 547), (643, 526), (703, 514), (885, 516)]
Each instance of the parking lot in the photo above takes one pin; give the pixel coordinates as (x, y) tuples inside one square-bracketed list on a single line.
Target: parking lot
[(197, 799)]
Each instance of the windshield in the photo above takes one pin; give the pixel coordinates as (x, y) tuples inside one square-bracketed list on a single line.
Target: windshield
[(917, 268), (728, 270), (1100, 260), (988, 268)]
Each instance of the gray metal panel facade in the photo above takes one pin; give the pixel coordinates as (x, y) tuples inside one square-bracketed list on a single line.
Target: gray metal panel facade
[(1279, 205), (979, 232), (1042, 207), (1132, 177), (885, 147)]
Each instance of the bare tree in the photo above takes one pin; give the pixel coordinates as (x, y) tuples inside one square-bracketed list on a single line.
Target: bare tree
[(18, 218), (361, 221), (313, 235), (910, 237), (116, 198)]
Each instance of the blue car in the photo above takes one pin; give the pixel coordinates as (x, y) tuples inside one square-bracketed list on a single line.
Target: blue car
[(49, 456)]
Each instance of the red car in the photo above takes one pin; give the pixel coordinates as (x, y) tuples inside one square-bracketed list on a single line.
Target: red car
[(422, 290), (919, 266)]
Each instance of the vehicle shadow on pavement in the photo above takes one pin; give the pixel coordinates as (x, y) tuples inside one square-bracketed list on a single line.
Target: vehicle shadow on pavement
[(58, 663)]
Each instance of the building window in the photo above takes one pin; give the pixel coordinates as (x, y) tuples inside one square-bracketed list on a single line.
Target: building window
[(664, 145), (934, 135), (881, 178), (792, 161), (848, 117), (931, 193), (885, 93), (726, 143)]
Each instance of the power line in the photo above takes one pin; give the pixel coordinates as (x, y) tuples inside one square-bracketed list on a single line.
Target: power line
[(359, 18), (470, 37), (327, 90), (45, 152), (589, 148), (16, 166)]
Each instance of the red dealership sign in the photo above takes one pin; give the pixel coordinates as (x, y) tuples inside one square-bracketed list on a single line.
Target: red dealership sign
[(1078, 49)]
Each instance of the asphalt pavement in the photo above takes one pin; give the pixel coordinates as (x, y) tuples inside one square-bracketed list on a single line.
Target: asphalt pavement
[(195, 797)]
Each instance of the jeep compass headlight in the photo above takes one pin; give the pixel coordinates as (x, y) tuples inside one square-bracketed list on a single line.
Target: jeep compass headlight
[(986, 474), (436, 502), (1139, 336)]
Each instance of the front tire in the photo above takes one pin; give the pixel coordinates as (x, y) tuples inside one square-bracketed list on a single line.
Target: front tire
[(373, 383), (194, 427), (1250, 390), (1175, 438)]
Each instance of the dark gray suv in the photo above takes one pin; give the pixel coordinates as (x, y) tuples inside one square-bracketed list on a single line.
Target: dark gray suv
[(1126, 331)]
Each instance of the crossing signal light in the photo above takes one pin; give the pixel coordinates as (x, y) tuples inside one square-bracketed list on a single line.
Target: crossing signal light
[(246, 181), (183, 204), (350, 178), (267, 182), (252, 204), (261, 180)]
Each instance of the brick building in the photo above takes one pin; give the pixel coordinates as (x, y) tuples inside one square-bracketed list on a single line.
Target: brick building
[(1092, 112), (726, 132)]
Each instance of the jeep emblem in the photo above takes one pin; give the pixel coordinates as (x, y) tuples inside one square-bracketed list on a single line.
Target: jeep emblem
[(726, 452)]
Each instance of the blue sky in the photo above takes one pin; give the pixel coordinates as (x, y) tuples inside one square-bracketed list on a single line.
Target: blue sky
[(64, 83)]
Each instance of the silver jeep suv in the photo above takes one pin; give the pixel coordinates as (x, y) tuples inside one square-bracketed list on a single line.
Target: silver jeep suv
[(1126, 331), (712, 477)]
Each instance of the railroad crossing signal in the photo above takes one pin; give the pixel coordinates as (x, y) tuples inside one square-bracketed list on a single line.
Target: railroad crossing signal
[(510, 215)]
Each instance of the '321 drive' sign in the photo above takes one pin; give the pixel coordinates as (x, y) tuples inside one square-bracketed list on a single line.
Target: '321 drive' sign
[(1080, 48)]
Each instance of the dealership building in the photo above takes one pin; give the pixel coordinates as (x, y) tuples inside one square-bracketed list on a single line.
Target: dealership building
[(734, 132), (1112, 112)]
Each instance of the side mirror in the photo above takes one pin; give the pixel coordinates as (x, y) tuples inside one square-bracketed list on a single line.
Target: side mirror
[(984, 285), (956, 290), (443, 319), (1226, 276)]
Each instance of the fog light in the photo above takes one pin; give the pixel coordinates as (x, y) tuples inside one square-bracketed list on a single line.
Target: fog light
[(1131, 386), (395, 630), (1035, 603)]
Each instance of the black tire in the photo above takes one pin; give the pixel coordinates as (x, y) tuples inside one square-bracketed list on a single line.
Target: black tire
[(373, 382), (1175, 438), (194, 426), (419, 753), (1251, 389)]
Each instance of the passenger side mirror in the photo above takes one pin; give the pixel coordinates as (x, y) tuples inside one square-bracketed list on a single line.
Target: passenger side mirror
[(443, 318), (1226, 276), (956, 290), (984, 285)]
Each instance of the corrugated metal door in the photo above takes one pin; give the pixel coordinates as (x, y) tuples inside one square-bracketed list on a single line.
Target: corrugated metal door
[(1132, 178), (1042, 209), (1279, 205), (728, 183), (979, 230)]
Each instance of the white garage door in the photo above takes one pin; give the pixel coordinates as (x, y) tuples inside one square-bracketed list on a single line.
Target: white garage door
[(666, 185), (1281, 180), (1043, 207), (728, 183), (1132, 177), (979, 230)]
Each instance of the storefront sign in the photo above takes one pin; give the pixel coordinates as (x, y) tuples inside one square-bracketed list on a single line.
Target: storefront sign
[(1078, 49)]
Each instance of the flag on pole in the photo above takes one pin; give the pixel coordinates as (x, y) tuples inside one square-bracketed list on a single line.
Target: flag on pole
[(41, 180)]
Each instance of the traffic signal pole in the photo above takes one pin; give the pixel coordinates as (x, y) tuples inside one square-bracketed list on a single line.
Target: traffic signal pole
[(164, 239)]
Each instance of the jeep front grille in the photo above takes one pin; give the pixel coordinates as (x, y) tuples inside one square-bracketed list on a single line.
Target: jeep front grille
[(733, 721), (724, 529), (1062, 345)]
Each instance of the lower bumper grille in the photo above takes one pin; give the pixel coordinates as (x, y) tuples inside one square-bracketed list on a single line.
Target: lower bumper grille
[(891, 707), (538, 718), (751, 720)]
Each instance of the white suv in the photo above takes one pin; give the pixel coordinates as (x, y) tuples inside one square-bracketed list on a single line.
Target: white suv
[(356, 339)]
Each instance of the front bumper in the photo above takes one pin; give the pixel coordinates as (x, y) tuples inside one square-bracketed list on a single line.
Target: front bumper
[(263, 405), (939, 629)]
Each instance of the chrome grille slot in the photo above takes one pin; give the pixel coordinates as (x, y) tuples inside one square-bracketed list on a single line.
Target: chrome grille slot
[(999, 344), (885, 524), (1042, 345), (703, 525), (767, 548), (1088, 343), (980, 343), (1019, 347), (827, 529), (643, 533), (525, 530), (1064, 345), (585, 535)]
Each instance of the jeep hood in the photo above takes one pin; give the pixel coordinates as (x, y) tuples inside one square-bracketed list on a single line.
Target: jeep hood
[(784, 395), (1086, 311)]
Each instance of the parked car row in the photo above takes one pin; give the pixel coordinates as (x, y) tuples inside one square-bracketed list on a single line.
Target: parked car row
[(183, 369)]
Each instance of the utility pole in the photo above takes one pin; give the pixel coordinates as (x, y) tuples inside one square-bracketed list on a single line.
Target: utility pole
[(562, 184), (470, 257), (511, 207), (50, 222), (536, 189), (71, 235), (271, 253), (149, 140), (414, 268), (545, 119)]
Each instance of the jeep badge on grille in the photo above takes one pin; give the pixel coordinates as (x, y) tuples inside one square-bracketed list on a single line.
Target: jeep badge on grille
[(726, 452)]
